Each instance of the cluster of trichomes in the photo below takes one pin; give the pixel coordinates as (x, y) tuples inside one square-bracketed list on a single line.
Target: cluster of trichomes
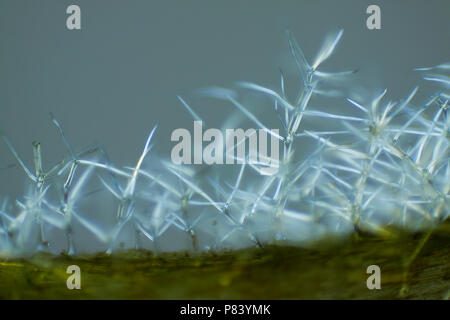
[(384, 164)]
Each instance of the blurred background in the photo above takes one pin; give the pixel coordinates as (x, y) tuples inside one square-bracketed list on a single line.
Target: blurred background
[(118, 76)]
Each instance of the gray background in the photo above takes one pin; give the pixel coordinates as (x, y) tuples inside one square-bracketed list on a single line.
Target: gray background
[(115, 79)]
